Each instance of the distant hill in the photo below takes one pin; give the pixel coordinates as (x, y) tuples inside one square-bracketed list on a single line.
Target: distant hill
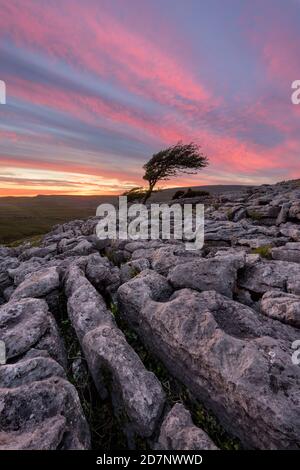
[(22, 217), (167, 194)]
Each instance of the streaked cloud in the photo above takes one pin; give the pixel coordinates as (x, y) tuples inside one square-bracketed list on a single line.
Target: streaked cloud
[(94, 88)]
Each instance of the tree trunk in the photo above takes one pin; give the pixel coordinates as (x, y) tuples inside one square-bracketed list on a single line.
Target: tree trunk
[(148, 194)]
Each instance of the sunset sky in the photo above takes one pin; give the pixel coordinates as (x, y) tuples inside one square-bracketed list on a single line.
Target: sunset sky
[(95, 87)]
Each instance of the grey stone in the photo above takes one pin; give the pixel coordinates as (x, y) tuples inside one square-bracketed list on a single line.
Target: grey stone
[(237, 362), (289, 252), (260, 276), (136, 392), (282, 306), (86, 307), (102, 274), (19, 273), (22, 324), (29, 370), (38, 252), (148, 284), (219, 273), (43, 415), (38, 284), (283, 214), (165, 258), (178, 432)]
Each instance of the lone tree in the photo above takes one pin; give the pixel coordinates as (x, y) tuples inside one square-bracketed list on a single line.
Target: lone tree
[(180, 158)]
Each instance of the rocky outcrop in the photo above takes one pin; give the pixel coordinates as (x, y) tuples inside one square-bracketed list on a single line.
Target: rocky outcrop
[(218, 325), (137, 394), (39, 408), (227, 355)]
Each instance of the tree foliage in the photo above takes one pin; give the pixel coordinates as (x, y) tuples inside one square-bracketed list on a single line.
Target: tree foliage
[(168, 163)]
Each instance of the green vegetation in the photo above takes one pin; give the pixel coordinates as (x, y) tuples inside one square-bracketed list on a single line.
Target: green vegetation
[(24, 217), (230, 215), (264, 251), (254, 215), (34, 241)]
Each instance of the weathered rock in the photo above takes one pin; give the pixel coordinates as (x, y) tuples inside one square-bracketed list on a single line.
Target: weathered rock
[(283, 214), (29, 370), (219, 273), (136, 392), (132, 268), (282, 306), (167, 257), (260, 276), (239, 214), (37, 284), (22, 324), (75, 247), (5, 265), (294, 212), (289, 252), (291, 230), (86, 307), (148, 284), (237, 362), (38, 252), (42, 415), (19, 273), (103, 276), (6, 252), (7, 293), (52, 342), (178, 432)]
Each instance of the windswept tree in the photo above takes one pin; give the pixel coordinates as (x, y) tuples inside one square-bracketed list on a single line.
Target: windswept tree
[(170, 162)]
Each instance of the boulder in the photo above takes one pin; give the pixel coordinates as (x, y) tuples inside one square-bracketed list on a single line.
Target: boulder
[(283, 214), (219, 273), (167, 257), (29, 370), (38, 284), (38, 252), (178, 432), (42, 415), (86, 308), (19, 273), (22, 325), (148, 284)]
